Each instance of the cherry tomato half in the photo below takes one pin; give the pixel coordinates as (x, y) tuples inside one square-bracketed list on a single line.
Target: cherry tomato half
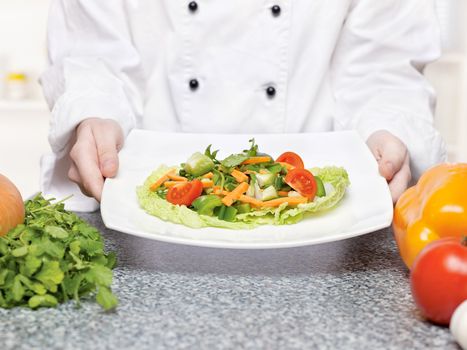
[(439, 279), (292, 159), (302, 181), (185, 193)]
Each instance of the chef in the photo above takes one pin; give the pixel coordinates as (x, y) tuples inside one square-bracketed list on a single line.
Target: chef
[(240, 66)]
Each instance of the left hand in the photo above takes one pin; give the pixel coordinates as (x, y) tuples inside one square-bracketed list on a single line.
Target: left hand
[(393, 160)]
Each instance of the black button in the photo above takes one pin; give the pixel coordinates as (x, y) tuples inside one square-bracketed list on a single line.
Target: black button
[(194, 84), (276, 10), (271, 91), (193, 6)]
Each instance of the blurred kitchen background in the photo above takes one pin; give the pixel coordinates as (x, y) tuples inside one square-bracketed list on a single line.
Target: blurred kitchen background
[(24, 116)]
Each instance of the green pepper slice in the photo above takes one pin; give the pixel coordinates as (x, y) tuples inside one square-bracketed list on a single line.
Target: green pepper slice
[(320, 190), (229, 214), (243, 208), (205, 205)]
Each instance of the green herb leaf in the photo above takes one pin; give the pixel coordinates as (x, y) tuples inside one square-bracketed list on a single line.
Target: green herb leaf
[(3, 276), (56, 232), (31, 265), (233, 160), (100, 275), (211, 155), (252, 152), (106, 299), (18, 252), (50, 275), (42, 300), (53, 257), (17, 289)]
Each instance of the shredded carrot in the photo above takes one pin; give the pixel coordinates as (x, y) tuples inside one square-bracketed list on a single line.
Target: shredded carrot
[(243, 198), (271, 203), (278, 201), (208, 175), (235, 194), (239, 176), (286, 165), (263, 171), (176, 177), (207, 183), (283, 193), (247, 199), (256, 160), (161, 180), (169, 184)]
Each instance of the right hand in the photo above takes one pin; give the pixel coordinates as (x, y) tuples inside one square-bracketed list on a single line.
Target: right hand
[(94, 155)]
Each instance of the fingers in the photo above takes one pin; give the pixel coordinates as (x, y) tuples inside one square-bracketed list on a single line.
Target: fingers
[(108, 142), (389, 151), (401, 180), (393, 161), (74, 176), (85, 170), (393, 154), (94, 155)]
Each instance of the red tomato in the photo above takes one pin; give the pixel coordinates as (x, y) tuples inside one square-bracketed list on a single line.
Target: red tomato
[(439, 279), (302, 181), (292, 159), (186, 193)]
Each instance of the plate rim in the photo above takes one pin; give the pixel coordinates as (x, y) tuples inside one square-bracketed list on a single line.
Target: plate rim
[(246, 245)]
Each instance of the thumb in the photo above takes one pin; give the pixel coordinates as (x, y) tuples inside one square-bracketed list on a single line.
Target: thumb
[(108, 161), (389, 151), (393, 153), (108, 144)]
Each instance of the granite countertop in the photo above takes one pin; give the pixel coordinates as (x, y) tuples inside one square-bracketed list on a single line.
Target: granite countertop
[(351, 294)]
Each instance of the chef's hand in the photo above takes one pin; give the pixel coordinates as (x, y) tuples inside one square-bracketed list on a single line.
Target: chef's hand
[(393, 160), (94, 155)]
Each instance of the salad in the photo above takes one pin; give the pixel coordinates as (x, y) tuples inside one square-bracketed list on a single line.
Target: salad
[(242, 191)]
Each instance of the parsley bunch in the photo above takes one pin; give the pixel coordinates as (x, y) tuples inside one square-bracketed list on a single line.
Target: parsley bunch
[(53, 257)]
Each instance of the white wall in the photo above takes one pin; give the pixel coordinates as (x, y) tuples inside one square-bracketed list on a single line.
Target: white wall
[(24, 124), (449, 78), (23, 38)]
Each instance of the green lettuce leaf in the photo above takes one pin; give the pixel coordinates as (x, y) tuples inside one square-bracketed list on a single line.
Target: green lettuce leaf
[(336, 180)]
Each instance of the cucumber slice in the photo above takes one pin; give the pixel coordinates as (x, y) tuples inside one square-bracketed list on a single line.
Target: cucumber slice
[(265, 180), (294, 194), (269, 193), (198, 164), (250, 191), (258, 192)]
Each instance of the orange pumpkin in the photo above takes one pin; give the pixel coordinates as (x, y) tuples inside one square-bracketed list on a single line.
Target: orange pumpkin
[(11, 206)]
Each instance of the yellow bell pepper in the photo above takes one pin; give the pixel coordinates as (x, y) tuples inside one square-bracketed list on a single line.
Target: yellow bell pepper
[(434, 208)]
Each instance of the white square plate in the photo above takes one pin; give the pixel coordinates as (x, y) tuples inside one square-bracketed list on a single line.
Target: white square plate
[(365, 208)]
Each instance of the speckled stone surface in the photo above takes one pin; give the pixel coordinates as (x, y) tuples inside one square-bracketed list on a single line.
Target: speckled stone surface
[(352, 294)]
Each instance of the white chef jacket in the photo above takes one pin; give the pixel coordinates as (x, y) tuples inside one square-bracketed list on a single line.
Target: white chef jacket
[(241, 66)]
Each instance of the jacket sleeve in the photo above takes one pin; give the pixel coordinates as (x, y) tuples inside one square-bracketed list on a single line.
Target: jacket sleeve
[(377, 75), (94, 69)]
